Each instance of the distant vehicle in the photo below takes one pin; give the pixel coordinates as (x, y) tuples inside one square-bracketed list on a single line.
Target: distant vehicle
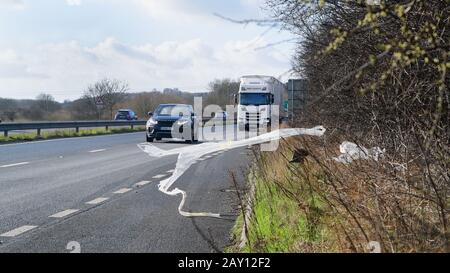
[(172, 121), (256, 98), (125, 114)]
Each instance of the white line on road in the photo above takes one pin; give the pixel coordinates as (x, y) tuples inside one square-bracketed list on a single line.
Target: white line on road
[(67, 139), (64, 213), (124, 190), (15, 164), (97, 201), (142, 183), (170, 171), (159, 176), (17, 231), (97, 151)]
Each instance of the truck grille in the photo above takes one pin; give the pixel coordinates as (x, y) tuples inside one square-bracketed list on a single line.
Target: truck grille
[(252, 118)]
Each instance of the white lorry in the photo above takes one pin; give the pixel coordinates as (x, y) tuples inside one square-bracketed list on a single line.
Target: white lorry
[(256, 100)]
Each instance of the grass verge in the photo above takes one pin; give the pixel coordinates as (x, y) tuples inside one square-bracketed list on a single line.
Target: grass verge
[(67, 134), (285, 216)]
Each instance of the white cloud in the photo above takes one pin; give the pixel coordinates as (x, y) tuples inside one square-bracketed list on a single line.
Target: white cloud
[(253, 3), (16, 4), (73, 2), (67, 68), (13, 66), (175, 11)]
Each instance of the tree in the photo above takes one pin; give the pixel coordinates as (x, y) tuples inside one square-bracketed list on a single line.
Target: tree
[(8, 109), (109, 92), (222, 91), (47, 103), (145, 102), (83, 109)]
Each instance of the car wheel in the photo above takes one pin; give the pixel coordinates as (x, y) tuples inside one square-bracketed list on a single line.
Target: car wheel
[(149, 139)]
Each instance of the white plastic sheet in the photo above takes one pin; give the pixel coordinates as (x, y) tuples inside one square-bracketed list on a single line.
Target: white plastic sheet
[(351, 151), (188, 155)]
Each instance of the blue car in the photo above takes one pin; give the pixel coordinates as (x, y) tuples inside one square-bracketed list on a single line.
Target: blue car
[(125, 114), (172, 121)]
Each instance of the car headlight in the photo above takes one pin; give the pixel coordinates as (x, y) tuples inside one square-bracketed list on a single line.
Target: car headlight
[(151, 122)]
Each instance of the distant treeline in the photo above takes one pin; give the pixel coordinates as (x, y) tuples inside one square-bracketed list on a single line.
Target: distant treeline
[(45, 107)]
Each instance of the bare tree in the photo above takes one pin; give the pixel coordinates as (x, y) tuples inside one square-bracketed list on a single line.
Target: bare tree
[(43, 107), (108, 92), (222, 92)]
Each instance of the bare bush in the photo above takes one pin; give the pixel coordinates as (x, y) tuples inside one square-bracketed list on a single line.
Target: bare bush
[(378, 77)]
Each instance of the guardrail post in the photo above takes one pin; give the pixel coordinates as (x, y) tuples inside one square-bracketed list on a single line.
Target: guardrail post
[(107, 128), (5, 133), (132, 126), (77, 129), (39, 132)]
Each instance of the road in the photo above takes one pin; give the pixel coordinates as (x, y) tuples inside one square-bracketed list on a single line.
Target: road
[(101, 192)]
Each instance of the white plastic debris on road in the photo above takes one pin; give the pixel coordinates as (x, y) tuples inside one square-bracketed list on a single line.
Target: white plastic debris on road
[(351, 151), (188, 155)]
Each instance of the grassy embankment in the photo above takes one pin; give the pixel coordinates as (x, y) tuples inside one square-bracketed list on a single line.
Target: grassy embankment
[(286, 214), (67, 134), (317, 204)]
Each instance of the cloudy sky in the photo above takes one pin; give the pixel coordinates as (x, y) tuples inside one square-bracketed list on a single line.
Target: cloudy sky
[(61, 46)]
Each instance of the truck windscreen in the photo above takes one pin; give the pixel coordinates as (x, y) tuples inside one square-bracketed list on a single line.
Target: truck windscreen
[(254, 99)]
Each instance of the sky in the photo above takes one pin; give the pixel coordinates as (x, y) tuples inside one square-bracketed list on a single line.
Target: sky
[(62, 46)]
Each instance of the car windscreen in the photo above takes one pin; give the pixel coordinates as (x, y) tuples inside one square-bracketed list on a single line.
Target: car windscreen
[(172, 110), (254, 99)]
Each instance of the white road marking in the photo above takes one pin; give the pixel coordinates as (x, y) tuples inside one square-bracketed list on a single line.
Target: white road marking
[(170, 171), (15, 164), (97, 201), (159, 176), (124, 190), (17, 231), (64, 213), (97, 151), (142, 183), (65, 139)]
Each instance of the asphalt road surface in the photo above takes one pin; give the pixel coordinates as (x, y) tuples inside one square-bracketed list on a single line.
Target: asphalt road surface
[(100, 193)]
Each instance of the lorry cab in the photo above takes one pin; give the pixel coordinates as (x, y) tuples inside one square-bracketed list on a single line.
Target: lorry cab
[(256, 98)]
